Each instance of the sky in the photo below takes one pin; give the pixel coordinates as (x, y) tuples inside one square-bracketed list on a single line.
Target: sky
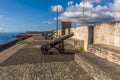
[(40, 15)]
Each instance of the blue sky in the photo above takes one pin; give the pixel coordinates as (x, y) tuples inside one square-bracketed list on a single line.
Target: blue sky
[(29, 15)]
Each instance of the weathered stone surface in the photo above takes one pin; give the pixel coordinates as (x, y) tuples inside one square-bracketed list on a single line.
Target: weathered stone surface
[(107, 33), (30, 64), (44, 71), (76, 44), (12, 50), (108, 52), (80, 33), (103, 33), (98, 68)]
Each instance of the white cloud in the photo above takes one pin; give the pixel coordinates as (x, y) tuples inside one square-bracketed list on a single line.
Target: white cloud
[(98, 1), (117, 9), (92, 1), (54, 8), (97, 14), (101, 8), (48, 22), (117, 5), (70, 3)]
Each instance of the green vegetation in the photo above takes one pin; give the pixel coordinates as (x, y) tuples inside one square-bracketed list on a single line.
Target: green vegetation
[(23, 42), (82, 49)]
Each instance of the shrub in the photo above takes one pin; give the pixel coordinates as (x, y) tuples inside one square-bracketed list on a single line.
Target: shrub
[(82, 49), (23, 42)]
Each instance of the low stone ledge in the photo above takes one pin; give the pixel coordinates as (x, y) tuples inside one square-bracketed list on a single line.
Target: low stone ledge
[(9, 52), (12, 50), (76, 43), (110, 53), (96, 67), (11, 43)]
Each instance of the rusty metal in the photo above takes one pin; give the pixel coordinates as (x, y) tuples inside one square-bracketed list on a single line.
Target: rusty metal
[(49, 35), (58, 44)]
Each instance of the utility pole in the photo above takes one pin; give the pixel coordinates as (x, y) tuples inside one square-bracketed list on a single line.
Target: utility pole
[(83, 13), (57, 22)]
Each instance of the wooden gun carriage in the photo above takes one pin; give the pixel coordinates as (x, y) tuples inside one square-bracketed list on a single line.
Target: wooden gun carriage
[(57, 44)]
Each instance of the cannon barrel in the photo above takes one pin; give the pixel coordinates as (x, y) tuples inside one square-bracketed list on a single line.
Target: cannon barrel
[(46, 33), (49, 35), (46, 47), (57, 41)]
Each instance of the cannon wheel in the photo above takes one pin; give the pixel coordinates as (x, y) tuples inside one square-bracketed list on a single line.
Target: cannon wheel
[(62, 50), (53, 51), (44, 49)]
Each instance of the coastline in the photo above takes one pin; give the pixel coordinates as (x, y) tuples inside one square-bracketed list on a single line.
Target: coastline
[(6, 37)]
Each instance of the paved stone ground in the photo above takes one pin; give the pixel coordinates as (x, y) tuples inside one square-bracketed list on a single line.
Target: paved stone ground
[(12, 50), (30, 64), (99, 68), (108, 52)]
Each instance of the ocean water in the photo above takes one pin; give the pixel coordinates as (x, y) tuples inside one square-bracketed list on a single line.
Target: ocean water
[(7, 37)]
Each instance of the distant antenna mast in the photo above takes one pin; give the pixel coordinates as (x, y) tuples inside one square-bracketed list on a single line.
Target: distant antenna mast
[(57, 22), (83, 13)]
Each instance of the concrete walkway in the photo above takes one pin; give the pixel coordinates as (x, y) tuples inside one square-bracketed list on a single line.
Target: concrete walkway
[(30, 64)]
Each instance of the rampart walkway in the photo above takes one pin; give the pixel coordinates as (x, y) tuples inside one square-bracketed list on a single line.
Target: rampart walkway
[(30, 64)]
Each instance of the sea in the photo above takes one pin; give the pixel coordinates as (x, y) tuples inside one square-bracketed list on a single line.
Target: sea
[(7, 37)]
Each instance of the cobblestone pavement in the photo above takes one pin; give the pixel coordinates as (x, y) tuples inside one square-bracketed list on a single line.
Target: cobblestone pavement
[(30, 64)]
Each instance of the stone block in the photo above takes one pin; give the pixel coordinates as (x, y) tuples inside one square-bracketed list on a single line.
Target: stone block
[(108, 52)]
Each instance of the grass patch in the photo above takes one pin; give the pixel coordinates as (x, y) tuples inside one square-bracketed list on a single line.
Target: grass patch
[(82, 49), (23, 42)]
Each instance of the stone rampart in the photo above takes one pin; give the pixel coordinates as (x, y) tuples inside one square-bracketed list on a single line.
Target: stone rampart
[(80, 33), (11, 43), (107, 33)]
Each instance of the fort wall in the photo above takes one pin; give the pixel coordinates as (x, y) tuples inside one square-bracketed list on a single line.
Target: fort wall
[(104, 33), (107, 33)]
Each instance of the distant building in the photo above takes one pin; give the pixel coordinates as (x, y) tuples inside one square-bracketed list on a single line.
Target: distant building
[(65, 28)]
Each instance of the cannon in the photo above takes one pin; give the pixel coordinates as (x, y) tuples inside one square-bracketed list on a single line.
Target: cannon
[(44, 33), (49, 36), (57, 44)]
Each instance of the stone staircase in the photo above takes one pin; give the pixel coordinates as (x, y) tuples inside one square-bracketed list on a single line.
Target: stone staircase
[(102, 62)]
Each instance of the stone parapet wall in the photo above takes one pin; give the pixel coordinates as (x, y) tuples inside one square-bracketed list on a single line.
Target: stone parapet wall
[(11, 43), (76, 43), (98, 68), (110, 53), (81, 33), (93, 70), (104, 33), (107, 33)]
